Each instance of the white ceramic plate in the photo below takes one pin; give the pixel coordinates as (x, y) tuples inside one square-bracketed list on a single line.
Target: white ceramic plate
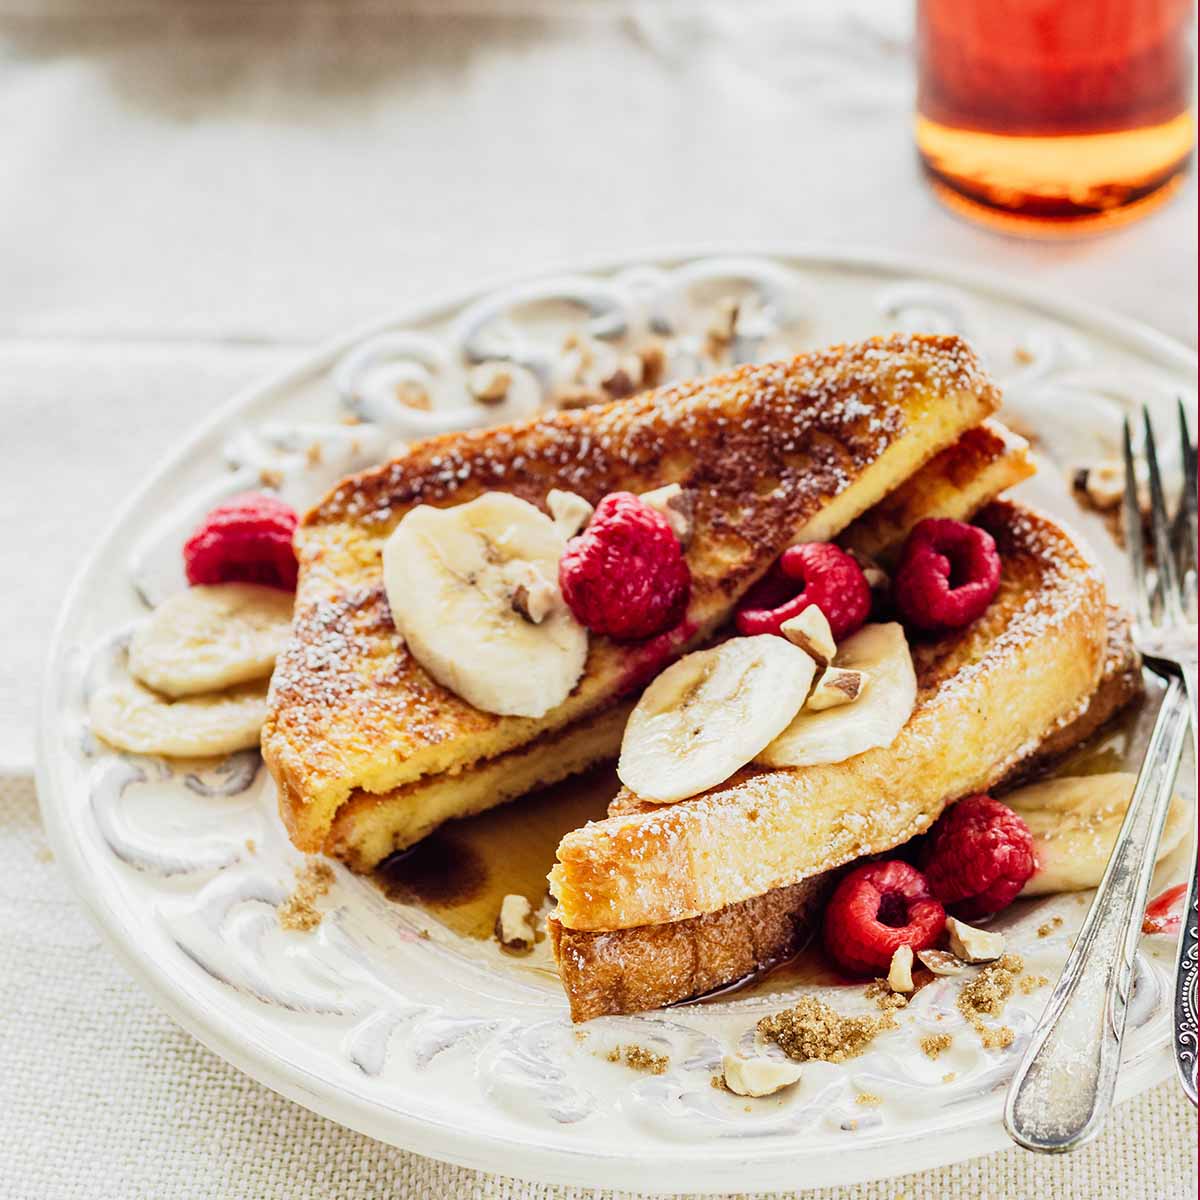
[(439, 1044)]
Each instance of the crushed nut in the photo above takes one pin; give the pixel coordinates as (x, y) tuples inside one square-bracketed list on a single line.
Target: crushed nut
[(836, 686), (653, 357), (1103, 484), (314, 454), (625, 378), (534, 596), (270, 478), (514, 924), (973, 945), (412, 394), (571, 512), (489, 382), (810, 631), (722, 329), (579, 396), (678, 506), (757, 1076), (941, 963), (899, 975)]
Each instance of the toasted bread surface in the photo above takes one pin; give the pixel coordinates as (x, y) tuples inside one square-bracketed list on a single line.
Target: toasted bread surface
[(957, 483), (773, 454), (986, 696), (648, 966), (371, 825)]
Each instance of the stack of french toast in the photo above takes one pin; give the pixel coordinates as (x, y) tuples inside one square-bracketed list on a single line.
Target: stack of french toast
[(461, 638)]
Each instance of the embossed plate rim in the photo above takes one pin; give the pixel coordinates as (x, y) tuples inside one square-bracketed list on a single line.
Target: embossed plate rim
[(677, 1167)]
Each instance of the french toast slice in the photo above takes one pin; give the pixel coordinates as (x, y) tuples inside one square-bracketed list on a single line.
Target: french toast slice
[(956, 483), (369, 826), (986, 696), (774, 454), (632, 970)]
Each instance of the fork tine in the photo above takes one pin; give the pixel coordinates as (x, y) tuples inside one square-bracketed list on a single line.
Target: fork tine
[(1164, 559), (1183, 531), (1133, 530)]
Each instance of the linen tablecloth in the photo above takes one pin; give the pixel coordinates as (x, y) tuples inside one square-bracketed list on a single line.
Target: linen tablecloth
[(193, 193)]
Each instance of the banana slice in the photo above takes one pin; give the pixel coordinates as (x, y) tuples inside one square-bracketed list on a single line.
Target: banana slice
[(451, 575), (131, 717), (1075, 821), (209, 638), (881, 653), (711, 713)]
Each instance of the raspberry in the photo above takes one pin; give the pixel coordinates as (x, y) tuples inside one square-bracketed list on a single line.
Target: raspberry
[(948, 575), (625, 574), (245, 540), (978, 856), (875, 910), (826, 576)]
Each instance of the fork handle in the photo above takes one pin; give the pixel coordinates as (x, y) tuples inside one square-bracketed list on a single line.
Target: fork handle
[(1186, 1042), (1063, 1087)]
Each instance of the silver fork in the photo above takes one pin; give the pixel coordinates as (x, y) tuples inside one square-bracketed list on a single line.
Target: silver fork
[(1063, 1088)]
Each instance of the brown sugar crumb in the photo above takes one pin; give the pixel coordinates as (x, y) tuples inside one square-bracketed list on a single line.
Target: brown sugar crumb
[(986, 995), (299, 911), (1030, 984), (934, 1043), (251, 845), (1022, 356), (314, 454), (999, 1038), (868, 1099), (270, 478), (718, 1082), (950, 1077), (638, 1058), (812, 1029), (1049, 927), (885, 999), (423, 934)]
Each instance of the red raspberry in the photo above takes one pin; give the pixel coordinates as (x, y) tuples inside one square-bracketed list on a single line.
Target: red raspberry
[(875, 910), (827, 577), (978, 856), (625, 574), (245, 540), (948, 574)]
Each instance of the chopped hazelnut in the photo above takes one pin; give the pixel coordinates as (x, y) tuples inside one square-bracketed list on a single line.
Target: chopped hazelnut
[(678, 506), (625, 378), (413, 394), (837, 686), (514, 923), (973, 945), (579, 396), (1104, 484), (899, 974), (489, 382), (941, 963), (810, 631), (653, 357), (758, 1076), (534, 596), (571, 512)]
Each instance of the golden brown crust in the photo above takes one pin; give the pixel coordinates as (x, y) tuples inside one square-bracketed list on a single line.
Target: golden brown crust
[(773, 454), (632, 970), (956, 483), (986, 697)]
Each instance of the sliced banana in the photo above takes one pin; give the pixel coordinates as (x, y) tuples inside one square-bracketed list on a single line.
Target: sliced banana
[(208, 638), (450, 576), (131, 717), (711, 713), (1075, 821), (881, 653)]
